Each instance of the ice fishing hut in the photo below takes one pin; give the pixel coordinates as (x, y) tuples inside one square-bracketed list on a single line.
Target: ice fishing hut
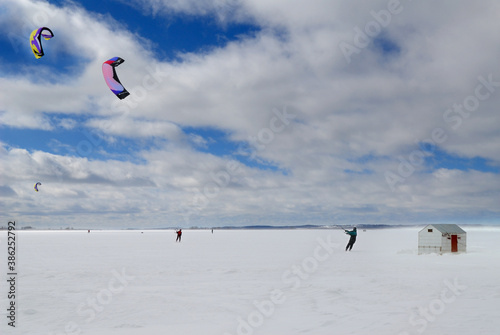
[(441, 238)]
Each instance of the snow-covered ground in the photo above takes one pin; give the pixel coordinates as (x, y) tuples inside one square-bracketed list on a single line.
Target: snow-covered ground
[(250, 282)]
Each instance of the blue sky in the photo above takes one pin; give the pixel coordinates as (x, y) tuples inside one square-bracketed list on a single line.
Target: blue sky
[(249, 113)]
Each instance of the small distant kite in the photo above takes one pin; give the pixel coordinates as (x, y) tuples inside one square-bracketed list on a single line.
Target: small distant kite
[(36, 40), (109, 73), (36, 186)]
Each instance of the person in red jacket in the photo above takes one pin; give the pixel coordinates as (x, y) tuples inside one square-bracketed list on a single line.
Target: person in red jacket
[(179, 234)]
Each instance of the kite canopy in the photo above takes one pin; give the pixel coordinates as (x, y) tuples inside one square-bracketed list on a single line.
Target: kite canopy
[(36, 186), (109, 73), (36, 41)]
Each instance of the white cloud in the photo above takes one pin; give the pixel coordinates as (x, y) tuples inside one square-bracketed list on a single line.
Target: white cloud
[(67, 123), (136, 128)]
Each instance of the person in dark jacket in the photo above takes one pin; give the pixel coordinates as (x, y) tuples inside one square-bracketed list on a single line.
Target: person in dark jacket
[(179, 234), (353, 233)]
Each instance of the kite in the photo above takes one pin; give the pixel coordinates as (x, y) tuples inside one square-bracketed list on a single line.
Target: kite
[(36, 186), (109, 73), (36, 41)]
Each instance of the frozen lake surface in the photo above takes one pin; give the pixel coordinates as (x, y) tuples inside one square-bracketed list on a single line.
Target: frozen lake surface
[(250, 282)]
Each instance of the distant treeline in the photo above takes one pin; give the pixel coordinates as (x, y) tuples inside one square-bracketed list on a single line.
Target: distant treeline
[(359, 226)]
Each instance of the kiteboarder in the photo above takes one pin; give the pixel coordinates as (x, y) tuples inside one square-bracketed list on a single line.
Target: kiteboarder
[(352, 240), (179, 234)]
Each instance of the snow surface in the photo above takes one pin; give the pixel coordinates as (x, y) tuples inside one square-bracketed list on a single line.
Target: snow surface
[(250, 282)]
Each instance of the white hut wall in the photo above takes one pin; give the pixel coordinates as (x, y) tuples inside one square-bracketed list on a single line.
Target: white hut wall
[(462, 243), (429, 242), (446, 243)]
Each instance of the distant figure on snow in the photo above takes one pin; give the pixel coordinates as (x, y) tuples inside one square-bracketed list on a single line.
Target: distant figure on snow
[(352, 240), (179, 234)]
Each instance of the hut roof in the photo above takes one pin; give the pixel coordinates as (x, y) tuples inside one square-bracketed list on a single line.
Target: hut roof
[(448, 228)]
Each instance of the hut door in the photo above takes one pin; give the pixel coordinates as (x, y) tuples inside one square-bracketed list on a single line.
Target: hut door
[(454, 243)]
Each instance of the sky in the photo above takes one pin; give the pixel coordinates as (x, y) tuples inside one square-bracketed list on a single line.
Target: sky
[(250, 113)]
